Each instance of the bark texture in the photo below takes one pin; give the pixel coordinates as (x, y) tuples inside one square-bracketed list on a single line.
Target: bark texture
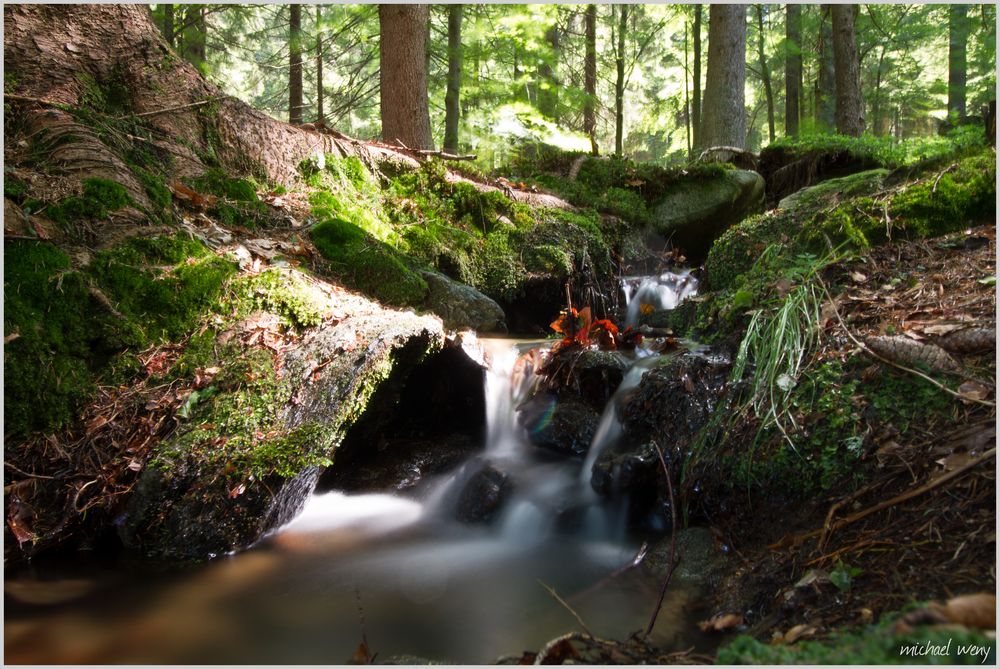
[(548, 80), (724, 121), (850, 105), (590, 77), (403, 75), (696, 77), (295, 64), (320, 116), (620, 78), (765, 71), (793, 67), (825, 82), (453, 94), (958, 37)]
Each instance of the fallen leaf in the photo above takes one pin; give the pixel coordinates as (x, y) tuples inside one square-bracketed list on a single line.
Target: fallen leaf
[(812, 576), (866, 615), (943, 328), (954, 461), (721, 622), (974, 390), (858, 277), (798, 632), (11, 337)]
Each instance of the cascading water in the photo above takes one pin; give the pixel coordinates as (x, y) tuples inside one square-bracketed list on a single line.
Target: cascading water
[(665, 291), (429, 585)]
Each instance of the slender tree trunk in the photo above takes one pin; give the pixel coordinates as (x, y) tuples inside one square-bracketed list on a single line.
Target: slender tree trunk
[(403, 75), (825, 84), (453, 94), (765, 72), (696, 80), (793, 67), (958, 36), (168, 23), (319, 65), (620, 79), (850, 104), (195, 35), (295, 64), (548, 82), (724, 120), (590, 77), (687, 97), (878, 125)]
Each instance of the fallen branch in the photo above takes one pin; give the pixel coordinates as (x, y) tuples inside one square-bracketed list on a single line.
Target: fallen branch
[(442, 155), (953, 166), (569, 608), (673, 539)]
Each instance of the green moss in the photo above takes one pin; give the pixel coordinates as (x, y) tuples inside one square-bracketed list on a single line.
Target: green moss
[(368, 265), (165, 302), (99, 198), (875, 644), (14, 188), (47, 365), (218, 182), (235, 425), (285, 294)]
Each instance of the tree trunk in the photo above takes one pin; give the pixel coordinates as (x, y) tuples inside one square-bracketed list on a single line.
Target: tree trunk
[(850, 104), (168, 24), (765, 73), (825, 84), (620, 79), (195, 37), (724, 121), (958, 36), (687, 97), (696, 80), (319, 66), (403, 75), (453, 94), (590, 77), (793, 67), (295, 64), (548, 81)]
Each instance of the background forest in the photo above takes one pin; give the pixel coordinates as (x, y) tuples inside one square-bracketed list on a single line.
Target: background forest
[(522, 70)]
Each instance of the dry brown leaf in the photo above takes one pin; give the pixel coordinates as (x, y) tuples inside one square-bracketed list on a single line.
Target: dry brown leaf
[(11, 337), (858, 277), (942, 328), (978, 610), (798, 632), (721, 622), (974, 390), (361, 655)]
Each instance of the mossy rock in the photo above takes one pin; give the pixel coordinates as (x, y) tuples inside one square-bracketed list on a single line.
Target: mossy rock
[(368, 265), (696, 211), (832, 191), (461, 306), (254, 442)]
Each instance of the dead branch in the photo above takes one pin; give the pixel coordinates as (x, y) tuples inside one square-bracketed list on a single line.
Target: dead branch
[(673, 539), (179, 107), (569, 608), (442, 155), (953, 166)]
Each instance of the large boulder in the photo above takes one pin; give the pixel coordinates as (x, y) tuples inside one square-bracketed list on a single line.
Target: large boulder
[(832, 191), (219, 484), (697, 211), (460, 306)]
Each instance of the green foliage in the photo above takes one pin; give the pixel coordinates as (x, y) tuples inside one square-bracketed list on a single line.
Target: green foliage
[(842, 575), (218, 182), (874, 644), (368, 265), (14, 188)]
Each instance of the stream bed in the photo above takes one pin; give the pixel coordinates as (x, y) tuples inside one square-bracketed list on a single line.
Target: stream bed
[(400, 572)]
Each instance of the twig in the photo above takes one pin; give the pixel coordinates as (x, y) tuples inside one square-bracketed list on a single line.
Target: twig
[(179, 107), (875, 355), (632, 564), (951, 167), (442, 155), (673, 539), (569, 608), (25, 98), (910, 494), (31, 475)]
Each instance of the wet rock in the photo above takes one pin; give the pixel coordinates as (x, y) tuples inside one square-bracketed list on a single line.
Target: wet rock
[(632, 470), (697, 212), (461, 306), (483, 495), (560, 423), (597, 374), (191, 505), (700, 558)]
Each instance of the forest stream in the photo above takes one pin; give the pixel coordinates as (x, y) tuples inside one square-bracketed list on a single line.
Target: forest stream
[(398, 572)]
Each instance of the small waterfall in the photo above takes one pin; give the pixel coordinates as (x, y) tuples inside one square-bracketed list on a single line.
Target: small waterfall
[(658, 292)]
